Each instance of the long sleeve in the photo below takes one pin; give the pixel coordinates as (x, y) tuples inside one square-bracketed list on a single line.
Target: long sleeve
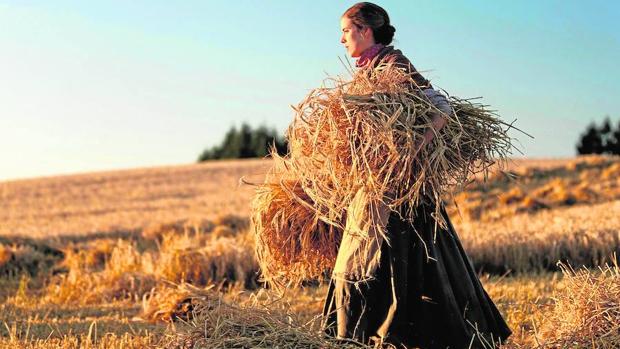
[(439, 119), (439, 100)]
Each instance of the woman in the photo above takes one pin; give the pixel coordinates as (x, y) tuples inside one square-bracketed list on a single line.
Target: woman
[(420, 289)]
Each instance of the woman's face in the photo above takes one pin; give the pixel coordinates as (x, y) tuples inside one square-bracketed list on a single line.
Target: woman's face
[(354, 39)]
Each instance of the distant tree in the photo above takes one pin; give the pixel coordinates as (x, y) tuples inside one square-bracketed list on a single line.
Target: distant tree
[(260, 141), (263, 139), (600, 140), (231, 147), (614, 140), (246, 143), (245, 136), (605, 131), (590, 141)]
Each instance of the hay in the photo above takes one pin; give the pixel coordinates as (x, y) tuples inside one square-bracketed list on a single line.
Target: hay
[(587, 310), (289, 233), (224, 260), (215, 323), (170, 302), (179, 227), (366, 134), (26, 257)]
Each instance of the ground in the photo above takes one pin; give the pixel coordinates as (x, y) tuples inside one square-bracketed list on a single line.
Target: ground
[(122, 258)]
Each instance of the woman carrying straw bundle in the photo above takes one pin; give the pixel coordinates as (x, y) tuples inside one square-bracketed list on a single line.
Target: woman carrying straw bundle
[(419, 289)]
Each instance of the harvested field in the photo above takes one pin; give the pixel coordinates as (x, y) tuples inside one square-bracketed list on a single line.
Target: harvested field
[(129, 258), (580, 235), (129, 200), (125, 201)]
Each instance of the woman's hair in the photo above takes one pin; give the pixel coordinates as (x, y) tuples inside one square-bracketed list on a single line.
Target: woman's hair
[(367, 14)]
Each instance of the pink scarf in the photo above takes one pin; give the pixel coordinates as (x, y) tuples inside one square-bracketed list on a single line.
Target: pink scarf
[(368, 55)]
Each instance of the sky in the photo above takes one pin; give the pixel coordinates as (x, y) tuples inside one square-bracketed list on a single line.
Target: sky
[(100, 85)]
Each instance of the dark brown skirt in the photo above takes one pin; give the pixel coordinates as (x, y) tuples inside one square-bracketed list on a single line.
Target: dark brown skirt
[(425, 293)]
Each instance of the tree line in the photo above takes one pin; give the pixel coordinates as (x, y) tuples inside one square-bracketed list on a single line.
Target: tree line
[(600, 139), (246, 142)]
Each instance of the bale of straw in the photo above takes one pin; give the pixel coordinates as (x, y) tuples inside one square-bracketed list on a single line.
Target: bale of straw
[(366, 134)]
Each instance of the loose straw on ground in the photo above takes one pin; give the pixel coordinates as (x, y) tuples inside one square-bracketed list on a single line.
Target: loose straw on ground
[(218, 324), (587, 311)]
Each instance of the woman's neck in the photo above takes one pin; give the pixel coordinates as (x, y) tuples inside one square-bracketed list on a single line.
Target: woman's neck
[(368, 55)]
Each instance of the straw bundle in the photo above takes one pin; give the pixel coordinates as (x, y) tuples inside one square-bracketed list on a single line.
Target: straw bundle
[(290, 234), (366, 134)]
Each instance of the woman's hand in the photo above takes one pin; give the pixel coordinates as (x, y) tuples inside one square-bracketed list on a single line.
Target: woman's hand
[(439, 118)]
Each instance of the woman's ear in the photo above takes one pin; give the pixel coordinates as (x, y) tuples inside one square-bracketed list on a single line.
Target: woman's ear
[(367, 32)]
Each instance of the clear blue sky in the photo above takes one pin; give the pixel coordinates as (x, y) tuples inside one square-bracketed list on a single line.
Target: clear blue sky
[(88, 85)]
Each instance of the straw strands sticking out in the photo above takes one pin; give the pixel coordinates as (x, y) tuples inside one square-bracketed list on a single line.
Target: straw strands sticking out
[(216, 324), (291, 242), (586, 312), (365, 134)]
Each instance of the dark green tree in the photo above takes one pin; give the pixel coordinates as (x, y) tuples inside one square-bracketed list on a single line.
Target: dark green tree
[(246, 143), (245, 135), (605, 131), (614, 141), (231, 146), (600, 140), (590, 141), (262, 138)]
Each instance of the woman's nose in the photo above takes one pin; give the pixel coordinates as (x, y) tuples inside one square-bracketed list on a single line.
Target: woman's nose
[(342, 41)]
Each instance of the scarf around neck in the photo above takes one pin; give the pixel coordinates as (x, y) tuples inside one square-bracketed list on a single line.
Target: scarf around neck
[(368, 55)]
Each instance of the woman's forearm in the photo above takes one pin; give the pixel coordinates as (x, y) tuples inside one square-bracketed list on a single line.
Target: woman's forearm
[(439, 119), (438, 122)]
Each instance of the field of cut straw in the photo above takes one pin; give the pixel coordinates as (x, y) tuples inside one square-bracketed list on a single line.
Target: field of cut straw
[(164, 257), (123, 202)]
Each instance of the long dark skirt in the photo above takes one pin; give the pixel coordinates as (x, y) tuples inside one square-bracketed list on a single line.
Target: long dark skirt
[(425, 293)]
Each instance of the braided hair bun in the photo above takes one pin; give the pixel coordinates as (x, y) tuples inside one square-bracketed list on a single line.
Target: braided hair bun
[(384, 35)]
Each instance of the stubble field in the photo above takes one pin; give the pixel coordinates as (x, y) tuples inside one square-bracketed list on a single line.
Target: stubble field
[(130, 258)]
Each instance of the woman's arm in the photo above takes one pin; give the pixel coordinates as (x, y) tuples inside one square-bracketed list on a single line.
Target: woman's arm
[(439, 100), (439, 119)]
